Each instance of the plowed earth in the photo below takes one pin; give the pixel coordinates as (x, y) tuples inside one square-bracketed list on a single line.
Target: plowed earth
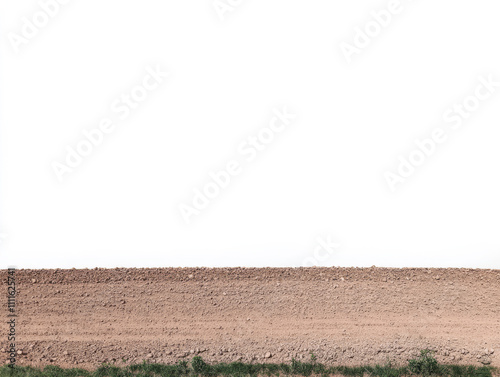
[(345, 316)]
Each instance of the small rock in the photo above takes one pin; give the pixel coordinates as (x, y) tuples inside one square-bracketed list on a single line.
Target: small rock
[(149, 355), (267, 355), (65, 352)]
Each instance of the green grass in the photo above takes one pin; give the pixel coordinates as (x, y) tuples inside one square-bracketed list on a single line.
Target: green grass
[(425, 365)]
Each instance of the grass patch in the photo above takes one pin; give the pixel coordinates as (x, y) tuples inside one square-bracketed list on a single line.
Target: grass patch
[(425, 365)]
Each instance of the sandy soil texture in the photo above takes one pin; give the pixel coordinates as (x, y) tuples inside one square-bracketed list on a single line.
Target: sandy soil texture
[(343, 315)]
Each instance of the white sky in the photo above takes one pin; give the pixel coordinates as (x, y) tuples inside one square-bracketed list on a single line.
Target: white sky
[(321, 177)]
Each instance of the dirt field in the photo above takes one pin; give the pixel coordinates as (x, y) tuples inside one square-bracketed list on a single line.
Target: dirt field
[(343, 315)]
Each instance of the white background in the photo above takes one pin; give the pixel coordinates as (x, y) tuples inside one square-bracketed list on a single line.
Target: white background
[(322, 176)]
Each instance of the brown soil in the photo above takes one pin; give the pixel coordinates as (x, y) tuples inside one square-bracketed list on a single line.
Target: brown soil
[(343, 315)]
